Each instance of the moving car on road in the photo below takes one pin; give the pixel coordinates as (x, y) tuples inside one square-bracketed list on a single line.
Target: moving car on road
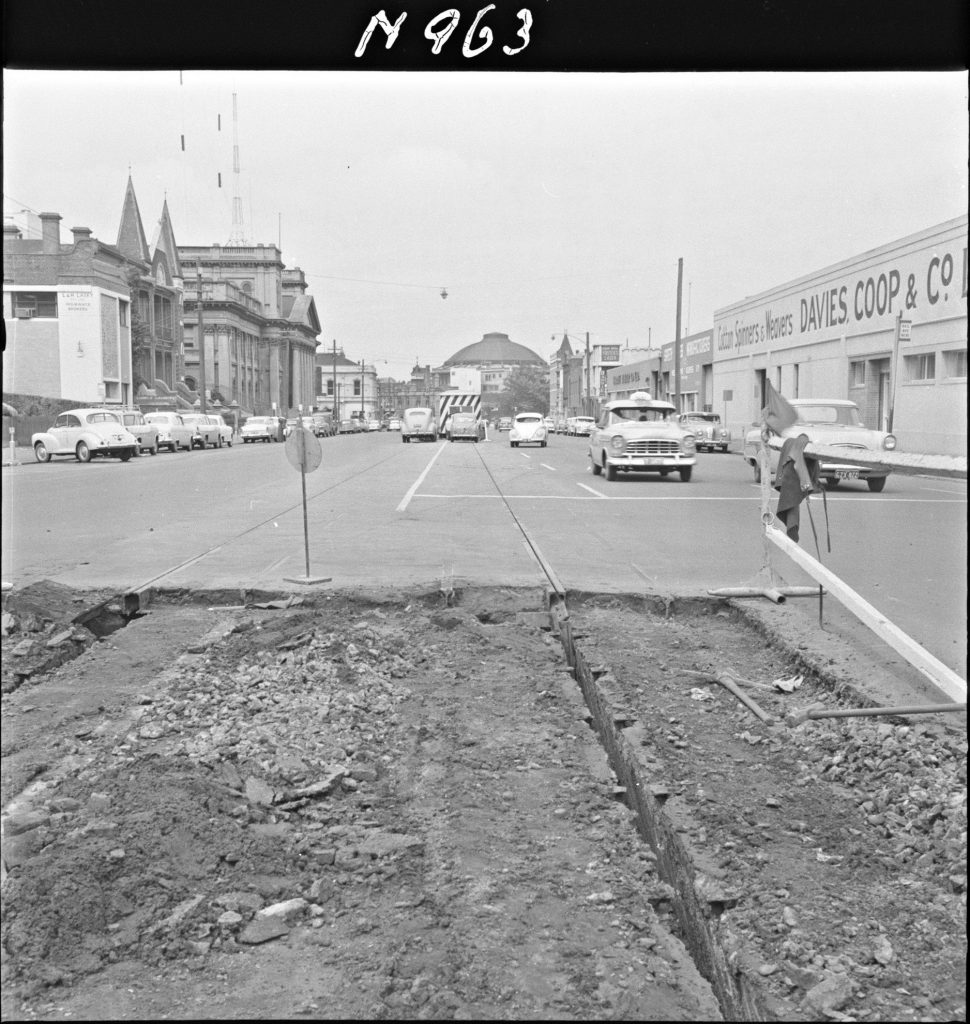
[(394, 423), (419, 424), (147, 433), (834, 422), (528, 428), (259, 428), (85, 433), (465, 426), (173, 432), (581, 426), (505, 423), (707, 430), (638, 434)]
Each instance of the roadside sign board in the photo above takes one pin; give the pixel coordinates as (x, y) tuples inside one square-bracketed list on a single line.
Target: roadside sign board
[(303, 450)]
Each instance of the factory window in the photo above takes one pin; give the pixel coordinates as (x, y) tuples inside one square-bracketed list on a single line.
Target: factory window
[(857, 374), (955, 363), (921, 367)]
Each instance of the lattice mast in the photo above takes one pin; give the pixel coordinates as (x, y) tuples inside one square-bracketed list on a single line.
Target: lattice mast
[(238, 236)]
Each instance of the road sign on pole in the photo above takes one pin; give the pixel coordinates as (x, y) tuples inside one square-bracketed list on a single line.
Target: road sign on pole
[(304, 453)]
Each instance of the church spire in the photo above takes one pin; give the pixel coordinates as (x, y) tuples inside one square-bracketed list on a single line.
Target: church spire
[(131, 233)]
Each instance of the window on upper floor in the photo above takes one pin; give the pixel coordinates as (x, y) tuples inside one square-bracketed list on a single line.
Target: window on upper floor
[(123, 314)]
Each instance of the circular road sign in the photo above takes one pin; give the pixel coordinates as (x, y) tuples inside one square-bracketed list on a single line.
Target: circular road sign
[(303, 450)]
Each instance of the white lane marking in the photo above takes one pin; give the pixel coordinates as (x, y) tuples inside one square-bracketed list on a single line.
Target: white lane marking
[(937, 490), (545, 466), (669, 497), (405, 501)]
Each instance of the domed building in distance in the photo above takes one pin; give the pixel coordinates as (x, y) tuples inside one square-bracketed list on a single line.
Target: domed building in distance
[(495, 356)]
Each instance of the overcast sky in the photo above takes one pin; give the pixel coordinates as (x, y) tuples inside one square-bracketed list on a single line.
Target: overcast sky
[(543, 202)]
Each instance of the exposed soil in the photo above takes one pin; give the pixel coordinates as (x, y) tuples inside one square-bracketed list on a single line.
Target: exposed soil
[(369, 809)]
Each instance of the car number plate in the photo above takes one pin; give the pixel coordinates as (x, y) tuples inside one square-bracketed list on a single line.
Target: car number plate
[(653, 462), (847, 474)]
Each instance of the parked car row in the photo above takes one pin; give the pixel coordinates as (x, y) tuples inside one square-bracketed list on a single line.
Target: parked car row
[(125, 433)]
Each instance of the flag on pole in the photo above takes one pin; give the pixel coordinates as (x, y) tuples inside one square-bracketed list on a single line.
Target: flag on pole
[(778, 413)]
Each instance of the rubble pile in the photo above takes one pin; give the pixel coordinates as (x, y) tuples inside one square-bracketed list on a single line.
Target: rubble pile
[(910, 784), (239, 798)]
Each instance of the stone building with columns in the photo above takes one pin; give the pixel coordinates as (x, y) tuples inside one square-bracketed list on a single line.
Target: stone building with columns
[(260, 328)]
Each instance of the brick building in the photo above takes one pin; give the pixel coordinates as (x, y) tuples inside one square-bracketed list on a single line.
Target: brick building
[(67, 316)]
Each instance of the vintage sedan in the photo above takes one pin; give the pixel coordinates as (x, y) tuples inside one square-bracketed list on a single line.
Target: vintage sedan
[(347, 427), (173, 432), (707, 429), (638, 434), (581, 426), (833, 422), (260, 428), (85, 433), (225, 431), (394, 423), (147, 433), (465, 426), (418, 424), (528, 428), (505, 423), (205, 430)]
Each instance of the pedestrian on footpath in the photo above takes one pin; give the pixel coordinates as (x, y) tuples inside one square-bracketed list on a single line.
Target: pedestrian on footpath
[(795, 478)]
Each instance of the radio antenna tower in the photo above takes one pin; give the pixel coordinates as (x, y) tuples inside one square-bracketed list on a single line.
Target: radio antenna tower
[(238, 236)]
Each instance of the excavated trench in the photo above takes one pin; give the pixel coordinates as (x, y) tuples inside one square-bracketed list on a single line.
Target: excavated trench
[(812, 872)]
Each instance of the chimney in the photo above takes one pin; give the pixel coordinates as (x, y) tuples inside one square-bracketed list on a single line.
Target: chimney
[(51, 232), (81, 234)]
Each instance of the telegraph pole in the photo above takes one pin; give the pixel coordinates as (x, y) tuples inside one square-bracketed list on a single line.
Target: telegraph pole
[(198, 307), (336, 402), (680, 285), (588, 411), (362, 391)]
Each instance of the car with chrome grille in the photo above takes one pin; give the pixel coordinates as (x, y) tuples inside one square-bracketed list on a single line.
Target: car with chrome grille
[(640, 435), (836, 423), (709, 433), (173, 432), (260, 428)]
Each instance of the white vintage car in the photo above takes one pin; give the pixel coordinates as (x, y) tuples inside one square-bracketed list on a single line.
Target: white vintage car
[(260, 428), (145, 431), (707, 429), (173, 433), (830, 421), (528, 428), (640, 435), (85, 433)]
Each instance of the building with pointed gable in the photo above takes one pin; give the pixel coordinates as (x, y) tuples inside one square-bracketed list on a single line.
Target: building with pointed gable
[(155, 281)]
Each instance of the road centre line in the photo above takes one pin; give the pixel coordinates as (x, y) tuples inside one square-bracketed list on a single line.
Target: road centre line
[(405, 501), (546, 466)]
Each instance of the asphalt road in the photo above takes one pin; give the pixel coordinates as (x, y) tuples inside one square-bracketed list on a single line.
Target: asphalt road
[(381, 513)]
